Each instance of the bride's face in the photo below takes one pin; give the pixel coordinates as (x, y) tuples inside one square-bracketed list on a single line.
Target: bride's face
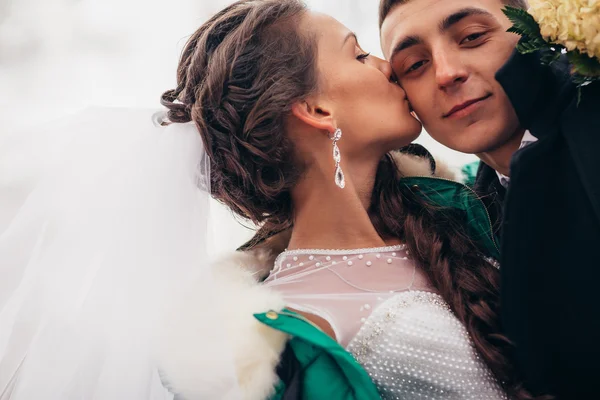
[(371, 110)]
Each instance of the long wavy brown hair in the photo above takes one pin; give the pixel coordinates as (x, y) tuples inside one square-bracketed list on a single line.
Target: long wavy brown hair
[(238, 77)]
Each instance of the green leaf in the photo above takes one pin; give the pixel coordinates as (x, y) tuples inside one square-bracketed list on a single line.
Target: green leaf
[(580, 81), (550, 56), (523, 23), (584, 70), (528, 45), (583, 65)]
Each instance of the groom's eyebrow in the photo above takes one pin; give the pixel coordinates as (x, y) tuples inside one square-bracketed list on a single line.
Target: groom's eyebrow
[(459, 15), (444, 26), (407, 42)]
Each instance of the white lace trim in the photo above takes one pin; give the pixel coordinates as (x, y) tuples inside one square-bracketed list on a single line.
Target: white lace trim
[(339, 252)]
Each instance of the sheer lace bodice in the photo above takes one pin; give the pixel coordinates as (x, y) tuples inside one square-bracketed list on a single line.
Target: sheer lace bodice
[(384, 311), (344, 287)]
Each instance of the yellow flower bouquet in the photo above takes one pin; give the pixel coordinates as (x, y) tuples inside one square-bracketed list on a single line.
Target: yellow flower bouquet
[(557, 27)]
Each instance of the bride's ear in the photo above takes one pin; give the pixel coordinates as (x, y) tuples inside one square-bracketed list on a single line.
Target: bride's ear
[(317, 116)]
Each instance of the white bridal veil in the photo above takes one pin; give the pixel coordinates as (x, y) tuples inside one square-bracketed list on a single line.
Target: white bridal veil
[(114, 227)]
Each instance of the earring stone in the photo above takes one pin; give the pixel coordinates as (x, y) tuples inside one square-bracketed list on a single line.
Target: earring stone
[(340, 180)]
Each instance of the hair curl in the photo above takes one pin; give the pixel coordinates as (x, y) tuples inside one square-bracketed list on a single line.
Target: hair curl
[(238, 76)]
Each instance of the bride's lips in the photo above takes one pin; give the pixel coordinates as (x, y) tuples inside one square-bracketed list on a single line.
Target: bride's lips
[(466, 108)]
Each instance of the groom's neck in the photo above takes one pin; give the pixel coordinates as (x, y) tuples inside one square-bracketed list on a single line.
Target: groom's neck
[(499, 158)]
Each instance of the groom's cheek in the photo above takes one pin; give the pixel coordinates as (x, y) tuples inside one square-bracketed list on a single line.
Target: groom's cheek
[(411, 108), (420, 104), (412, 97)]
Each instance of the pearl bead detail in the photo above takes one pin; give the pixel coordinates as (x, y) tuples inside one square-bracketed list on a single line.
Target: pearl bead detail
[(328, 258), (349, 263), (345, 258), (369, 263), (393, 254), (318, 264), (424, 357), (295, 258), (378, 255), (311, 258), (360, 257), (389, 260)]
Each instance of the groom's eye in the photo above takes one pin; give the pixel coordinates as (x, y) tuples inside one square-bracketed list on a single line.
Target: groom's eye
[(472, 37), (416, 66)]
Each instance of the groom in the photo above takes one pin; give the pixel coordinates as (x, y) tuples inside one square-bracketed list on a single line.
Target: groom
[(540, 172)]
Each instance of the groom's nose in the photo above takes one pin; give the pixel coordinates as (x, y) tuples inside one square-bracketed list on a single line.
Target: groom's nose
[(449, 69)]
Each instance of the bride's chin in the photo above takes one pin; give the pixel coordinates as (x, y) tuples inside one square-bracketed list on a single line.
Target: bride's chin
[(408, 136)]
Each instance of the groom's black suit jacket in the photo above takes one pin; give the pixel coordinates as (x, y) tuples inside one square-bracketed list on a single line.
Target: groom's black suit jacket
[(550, 225)]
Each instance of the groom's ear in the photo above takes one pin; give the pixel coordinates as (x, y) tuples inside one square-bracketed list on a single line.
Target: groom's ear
[(316, 115)]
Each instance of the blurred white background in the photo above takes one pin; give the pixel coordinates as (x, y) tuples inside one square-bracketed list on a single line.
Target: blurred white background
[(57, 56)]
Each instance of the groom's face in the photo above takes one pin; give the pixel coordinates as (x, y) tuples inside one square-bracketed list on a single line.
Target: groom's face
[(445, 54)]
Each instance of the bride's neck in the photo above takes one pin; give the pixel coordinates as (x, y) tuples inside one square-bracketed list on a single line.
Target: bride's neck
[(327, 216)]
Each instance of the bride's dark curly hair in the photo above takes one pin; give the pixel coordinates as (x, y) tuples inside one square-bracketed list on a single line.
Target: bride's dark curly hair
[(238, 77)]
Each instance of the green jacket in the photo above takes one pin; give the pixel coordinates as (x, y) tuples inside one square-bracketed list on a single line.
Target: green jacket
[(329, 371)]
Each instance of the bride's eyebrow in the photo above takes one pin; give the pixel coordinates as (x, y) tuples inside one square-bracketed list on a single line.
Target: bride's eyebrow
[(348, 37)]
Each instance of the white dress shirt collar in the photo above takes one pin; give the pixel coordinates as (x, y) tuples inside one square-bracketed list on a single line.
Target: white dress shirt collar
[(528, 138)]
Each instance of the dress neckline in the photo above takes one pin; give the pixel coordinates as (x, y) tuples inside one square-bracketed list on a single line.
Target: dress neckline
[(340, 252)]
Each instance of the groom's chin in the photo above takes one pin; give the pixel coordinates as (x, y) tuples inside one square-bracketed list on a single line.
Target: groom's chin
[(477, 137)]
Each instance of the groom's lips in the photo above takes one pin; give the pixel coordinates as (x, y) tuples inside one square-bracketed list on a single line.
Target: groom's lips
[(464, 109)]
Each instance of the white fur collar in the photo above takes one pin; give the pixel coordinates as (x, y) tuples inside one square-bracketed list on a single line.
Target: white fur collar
[(410, 165), (212, 347)]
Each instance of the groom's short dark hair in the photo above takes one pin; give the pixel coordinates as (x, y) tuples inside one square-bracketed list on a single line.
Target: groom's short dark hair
[(385, 6)]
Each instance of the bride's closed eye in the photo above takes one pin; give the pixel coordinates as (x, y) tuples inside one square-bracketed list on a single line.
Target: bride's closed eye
[(362, 57)]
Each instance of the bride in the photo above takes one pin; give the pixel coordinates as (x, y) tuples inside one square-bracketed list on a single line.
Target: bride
[(369, 276)]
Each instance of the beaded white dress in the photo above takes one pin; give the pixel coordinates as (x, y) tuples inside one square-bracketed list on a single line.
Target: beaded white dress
[(385, 313)]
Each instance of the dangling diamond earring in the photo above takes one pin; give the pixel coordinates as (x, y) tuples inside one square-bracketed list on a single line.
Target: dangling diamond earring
[(340, 181)]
